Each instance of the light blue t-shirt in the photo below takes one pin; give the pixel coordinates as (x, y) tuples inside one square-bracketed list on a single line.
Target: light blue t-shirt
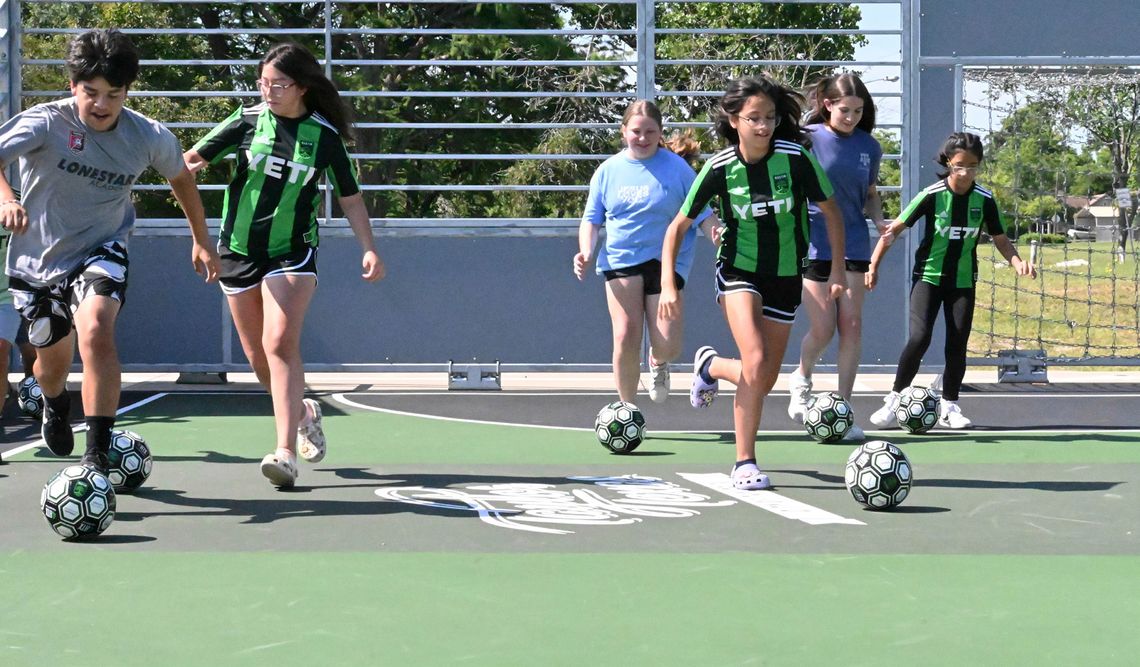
[(636, 200), (852, 166)]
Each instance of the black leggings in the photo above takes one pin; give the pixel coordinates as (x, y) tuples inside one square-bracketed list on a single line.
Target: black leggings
[(958, 309)]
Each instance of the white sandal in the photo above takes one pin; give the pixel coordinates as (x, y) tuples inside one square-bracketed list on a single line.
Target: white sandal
[(311, 436), (747, 477), (281, 470)]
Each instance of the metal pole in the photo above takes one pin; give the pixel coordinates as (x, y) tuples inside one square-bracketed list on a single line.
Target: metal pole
[(911, 133), (646, 49)]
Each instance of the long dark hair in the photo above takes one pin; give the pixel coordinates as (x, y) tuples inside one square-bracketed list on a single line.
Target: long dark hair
[(321, 96), (789, 106), (681, 143), (104, 52), (959, 142), (835, 88)]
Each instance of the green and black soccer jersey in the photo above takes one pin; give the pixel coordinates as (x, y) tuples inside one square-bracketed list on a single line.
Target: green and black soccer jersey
[(763, 206), (948, 255), (272, 200)]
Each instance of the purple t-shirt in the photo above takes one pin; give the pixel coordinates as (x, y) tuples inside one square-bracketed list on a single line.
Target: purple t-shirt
[(852, 165)]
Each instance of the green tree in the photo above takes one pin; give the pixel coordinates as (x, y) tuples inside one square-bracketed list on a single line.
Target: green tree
[(890, 174), (243, 32), (1033, 165), (702, 81)]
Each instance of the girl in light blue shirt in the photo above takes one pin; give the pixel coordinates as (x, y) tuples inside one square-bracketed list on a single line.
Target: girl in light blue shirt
[(635, 195)]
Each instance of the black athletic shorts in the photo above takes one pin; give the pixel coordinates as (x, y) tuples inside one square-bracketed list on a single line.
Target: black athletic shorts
[(819, 270), (650, 273), (240, 273), (780, 295)]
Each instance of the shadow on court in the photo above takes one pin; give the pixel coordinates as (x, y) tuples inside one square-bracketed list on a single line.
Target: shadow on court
[(299, 502), (1059, 486)]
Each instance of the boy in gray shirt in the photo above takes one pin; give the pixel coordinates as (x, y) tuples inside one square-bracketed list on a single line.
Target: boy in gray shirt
[(67, 259)]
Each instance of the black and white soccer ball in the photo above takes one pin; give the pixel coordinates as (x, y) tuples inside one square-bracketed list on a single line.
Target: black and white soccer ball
[(828, 417), (878, 475), (620, 427), (30, 398), (129, 460), (918, 409), (78, 502)]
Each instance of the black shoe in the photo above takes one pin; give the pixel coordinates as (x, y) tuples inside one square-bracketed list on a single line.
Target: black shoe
[(96, 460), (56, 431)]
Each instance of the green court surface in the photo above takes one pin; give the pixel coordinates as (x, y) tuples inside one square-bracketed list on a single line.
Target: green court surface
[(427, 541)]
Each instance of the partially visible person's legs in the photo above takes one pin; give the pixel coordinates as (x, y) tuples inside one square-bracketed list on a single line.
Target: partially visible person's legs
[(925, 301), (102, 374), (958, 311), (625, 298), (820, 311), (850, 326), (665, 336)]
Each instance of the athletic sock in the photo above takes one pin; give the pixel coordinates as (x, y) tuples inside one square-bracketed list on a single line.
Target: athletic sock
[(99, 433), (743, 463), (60, 405), (704, 371)]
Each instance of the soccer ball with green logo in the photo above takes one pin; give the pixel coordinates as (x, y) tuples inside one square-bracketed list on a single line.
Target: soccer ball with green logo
[(78, 502), (620, 427), (130, 461), (878, 475), (918, 409), (828, 417)]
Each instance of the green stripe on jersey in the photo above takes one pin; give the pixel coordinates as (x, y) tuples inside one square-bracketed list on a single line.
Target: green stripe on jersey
[(780, 185), (947, 255), (285, 220), (740, 199)]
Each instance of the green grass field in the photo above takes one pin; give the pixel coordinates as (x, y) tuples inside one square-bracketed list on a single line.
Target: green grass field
[(1082, 304)]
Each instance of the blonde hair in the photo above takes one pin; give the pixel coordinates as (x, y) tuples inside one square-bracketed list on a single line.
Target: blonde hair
[(681, 143)]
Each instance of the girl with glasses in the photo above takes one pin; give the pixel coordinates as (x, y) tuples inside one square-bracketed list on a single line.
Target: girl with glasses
[(955, 210), (268, 240), (760, 186)]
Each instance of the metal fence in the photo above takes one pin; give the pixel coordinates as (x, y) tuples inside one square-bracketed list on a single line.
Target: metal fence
[(571, 96)]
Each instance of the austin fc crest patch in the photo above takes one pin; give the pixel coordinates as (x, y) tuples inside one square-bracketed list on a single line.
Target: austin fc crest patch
[(781, 183), (76, 140), (305, 148)]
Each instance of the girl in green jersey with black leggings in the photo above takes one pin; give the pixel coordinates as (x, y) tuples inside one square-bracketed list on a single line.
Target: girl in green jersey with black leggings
[(956, 210)]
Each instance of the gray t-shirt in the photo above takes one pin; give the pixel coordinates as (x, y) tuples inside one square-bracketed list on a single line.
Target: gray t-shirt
[(76, 183)]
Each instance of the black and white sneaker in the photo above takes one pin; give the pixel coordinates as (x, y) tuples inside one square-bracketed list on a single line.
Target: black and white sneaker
[(96, 460), (56, 431)]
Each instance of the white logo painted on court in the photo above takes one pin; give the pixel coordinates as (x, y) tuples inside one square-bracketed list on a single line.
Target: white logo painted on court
[(608, 501)]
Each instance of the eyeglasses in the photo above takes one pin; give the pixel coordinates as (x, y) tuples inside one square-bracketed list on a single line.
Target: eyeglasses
[(963, 170), (761, 122), (266, 84)]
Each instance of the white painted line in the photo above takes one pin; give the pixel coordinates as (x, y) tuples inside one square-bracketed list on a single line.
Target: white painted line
[(769, 500), (83, 427)]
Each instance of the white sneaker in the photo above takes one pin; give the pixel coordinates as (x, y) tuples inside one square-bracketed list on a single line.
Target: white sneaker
[(884, 417), (951, 416), (659, 390), (280, 468), (800, 388), (311, 436), (855, 434)]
